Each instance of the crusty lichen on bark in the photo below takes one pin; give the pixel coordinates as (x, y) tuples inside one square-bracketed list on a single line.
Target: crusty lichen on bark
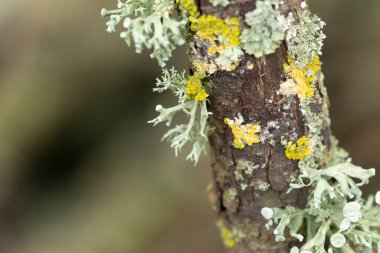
[(280, 182)]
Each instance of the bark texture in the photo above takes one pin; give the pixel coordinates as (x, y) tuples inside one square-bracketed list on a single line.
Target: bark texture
[(253, 94)]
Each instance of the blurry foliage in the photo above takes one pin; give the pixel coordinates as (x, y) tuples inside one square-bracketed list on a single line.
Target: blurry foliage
[(81, 171)]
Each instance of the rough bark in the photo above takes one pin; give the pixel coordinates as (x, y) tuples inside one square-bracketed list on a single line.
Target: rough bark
[(252, 93)]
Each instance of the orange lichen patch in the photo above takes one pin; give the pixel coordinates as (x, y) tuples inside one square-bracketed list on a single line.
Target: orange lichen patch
[(245, 134), (303, 78), (299, 150)]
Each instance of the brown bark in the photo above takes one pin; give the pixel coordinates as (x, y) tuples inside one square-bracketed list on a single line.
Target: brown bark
[(252, 93)]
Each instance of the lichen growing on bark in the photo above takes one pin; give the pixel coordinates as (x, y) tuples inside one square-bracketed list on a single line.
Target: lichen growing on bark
[(244, 134), (303, 78), (266, 30), (194, 87), (305, 37), (299, 150), (282, 144), (221, 36), (191, 101)]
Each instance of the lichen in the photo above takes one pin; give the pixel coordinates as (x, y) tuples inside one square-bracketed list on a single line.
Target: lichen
[(193, 104), (263, 186), (345, 223), (288, 88), (190, 7), (303, 78), (299, 150), (333, 182), (213, 196), (231, 199), (246, 167), (347, 176), (266, 30), (148, 23), (213, 29), (222, 37), (337, 154), (267, 133), (222, 3), (305, 38), (203, 65), (336, 217), (243, 172), (232, 235), (194, 87), (244, 134), (290, 217), (227, 237), (250, 65)]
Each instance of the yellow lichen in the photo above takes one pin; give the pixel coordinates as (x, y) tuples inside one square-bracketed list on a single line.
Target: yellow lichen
[(201, 95), (220, 33), (190, 7), (303, 78), (244, 134), (194, 87), (203, 66), (250, 65), (299, 150), (227, 237), (232, 66), (239, 144)]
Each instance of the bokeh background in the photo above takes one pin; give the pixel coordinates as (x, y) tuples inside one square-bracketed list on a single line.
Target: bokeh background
[(80, 169)]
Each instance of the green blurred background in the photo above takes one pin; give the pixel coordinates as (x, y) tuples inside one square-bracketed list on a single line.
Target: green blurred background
[(80, 169)]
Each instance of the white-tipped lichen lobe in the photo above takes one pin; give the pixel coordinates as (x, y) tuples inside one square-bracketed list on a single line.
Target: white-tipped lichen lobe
[(191, 102)]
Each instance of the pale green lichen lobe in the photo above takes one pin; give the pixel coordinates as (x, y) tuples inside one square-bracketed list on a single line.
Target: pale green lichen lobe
[(304, 38), (192, 105), (266, 30), (148, 23)]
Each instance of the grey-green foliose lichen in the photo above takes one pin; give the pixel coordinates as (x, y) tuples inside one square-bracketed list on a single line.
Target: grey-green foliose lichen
[(337, 217), (266, 30)]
